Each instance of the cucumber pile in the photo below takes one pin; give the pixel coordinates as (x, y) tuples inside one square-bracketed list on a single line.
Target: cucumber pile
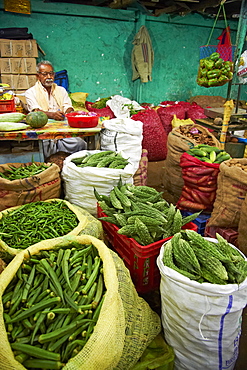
[(52, 305), (141, 213), (209, 154), (204, 261)]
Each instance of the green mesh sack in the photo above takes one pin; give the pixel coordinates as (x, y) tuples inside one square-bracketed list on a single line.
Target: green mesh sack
[(126, 324)]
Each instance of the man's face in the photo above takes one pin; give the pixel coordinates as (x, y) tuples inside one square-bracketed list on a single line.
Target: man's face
[(46, 75)]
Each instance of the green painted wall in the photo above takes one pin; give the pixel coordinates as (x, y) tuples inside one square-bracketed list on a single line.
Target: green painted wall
[(94, 44)]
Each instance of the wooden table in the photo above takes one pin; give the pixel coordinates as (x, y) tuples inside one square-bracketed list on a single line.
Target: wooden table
[(209, 123), (52, 130)]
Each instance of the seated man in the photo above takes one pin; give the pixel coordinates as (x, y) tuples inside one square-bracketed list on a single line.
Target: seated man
[(53, 100)]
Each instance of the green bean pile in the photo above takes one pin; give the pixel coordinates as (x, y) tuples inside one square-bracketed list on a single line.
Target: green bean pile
[(22, 172), (37, 221), (52, 305)]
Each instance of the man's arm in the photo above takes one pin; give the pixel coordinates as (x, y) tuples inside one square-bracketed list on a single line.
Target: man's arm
[(33, 105)]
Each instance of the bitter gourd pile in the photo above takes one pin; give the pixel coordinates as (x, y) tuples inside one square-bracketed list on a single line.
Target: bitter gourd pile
[(141, 213), (197, 258), (107, 158), (52, 305)]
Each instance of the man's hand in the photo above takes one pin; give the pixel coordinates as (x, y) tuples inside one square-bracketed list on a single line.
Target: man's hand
[(58, 116)]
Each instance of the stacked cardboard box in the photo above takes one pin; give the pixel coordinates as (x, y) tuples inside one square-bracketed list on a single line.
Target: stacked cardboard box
[(18, 63)]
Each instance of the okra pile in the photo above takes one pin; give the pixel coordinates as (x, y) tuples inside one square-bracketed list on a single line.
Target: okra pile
[(26, 170), (199, 259), (141, 213), (36, 221), (107, 158), (52, 305)]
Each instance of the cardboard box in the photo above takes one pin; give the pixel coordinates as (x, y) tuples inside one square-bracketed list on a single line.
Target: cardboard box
[(18, 48), (18, 65), (5, 65), (16, 82), (32, 79), (30, 66), (5, 48), (31, 49)]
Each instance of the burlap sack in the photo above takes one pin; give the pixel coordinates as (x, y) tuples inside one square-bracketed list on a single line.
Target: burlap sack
[(242, 229), (141, 175), (45, 185), (126, 323), (177, 144), (230, 194), (82, 216)]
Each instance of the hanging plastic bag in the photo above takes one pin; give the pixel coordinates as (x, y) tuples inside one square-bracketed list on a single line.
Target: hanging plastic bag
[(215, 65), (242, 68)]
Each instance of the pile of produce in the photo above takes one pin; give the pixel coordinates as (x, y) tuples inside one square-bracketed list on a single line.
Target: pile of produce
[(205, 261), (108, 158), (37, 119), (194, 133), (12, 121), (141, 213), (154, 134), (239, 165), (37, 221), (214, 71), (209, 154), (6, 96), (24, 171), (52, 305)]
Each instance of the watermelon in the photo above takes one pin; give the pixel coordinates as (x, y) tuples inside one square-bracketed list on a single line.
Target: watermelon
[(36, 119)]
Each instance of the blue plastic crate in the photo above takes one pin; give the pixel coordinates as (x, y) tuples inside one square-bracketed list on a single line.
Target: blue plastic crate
[(200, 221)]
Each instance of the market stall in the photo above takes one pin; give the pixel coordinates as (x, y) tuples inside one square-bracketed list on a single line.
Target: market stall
[(130, 254), (52, 130)]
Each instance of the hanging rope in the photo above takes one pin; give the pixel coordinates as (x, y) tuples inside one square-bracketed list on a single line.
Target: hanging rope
[(216, 19)]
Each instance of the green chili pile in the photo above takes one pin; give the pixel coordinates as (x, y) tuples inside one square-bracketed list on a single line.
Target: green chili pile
[(22, 172), (52, 305), (37, 221)]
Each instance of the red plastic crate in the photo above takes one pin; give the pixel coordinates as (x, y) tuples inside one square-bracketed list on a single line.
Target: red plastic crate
[(139, 259), (7, 106)]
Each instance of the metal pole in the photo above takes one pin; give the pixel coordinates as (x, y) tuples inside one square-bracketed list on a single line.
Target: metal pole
[(240, 39)]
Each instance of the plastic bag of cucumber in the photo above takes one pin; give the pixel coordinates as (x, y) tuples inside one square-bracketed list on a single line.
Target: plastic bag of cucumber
[(69, 303)]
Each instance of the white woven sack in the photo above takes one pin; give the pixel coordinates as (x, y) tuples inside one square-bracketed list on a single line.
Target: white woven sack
[(202, 322), (123, 135), (79, 182)]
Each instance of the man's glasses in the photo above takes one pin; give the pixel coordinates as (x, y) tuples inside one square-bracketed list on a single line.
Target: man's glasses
[(46, 73)]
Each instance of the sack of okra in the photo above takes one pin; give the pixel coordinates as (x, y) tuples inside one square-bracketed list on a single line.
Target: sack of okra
[(76, 308), (22, 183), (30, 223)]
